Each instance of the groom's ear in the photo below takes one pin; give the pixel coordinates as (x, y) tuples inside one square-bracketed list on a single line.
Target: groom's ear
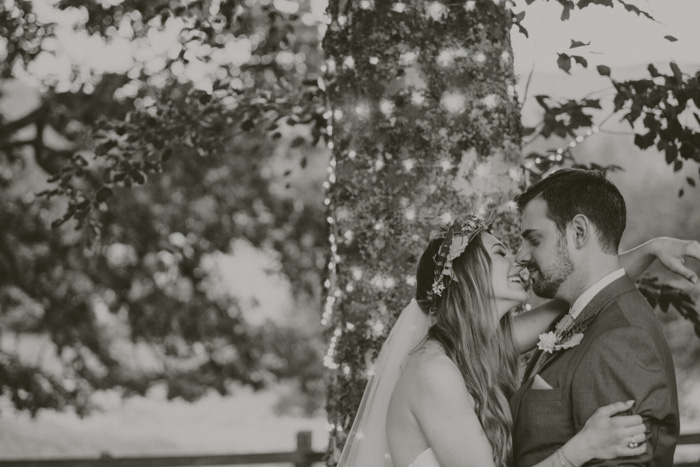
[(580, 228)]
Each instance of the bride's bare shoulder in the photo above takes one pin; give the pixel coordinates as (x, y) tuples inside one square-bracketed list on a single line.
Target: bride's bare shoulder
[(433, 373)]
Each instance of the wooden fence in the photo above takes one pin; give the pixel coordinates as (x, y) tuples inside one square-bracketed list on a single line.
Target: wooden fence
[(303, 456)]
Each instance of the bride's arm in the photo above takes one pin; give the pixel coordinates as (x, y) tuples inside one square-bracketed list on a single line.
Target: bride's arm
[(671, 252), (604, 436), (445, 412)]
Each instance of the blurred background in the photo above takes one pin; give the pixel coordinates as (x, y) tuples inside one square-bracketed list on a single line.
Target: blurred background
[(226, 231)]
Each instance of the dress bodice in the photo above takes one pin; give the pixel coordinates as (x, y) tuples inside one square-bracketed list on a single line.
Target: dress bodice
[(425, 459)]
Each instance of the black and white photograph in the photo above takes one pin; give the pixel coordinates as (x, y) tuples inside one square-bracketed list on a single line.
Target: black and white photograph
[(350, 233)]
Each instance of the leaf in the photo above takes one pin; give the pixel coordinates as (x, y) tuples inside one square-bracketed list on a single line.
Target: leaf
[(575, 44), (677, 166), (565, 13), (103, 194), (644, 141), (564, 62), (303, 162), (580, 60), (585, 3), (687, 150), (635, 9), (138, 176), (653, 71), (522, 30), (690, 181), (603, 70), (671, 154), (298, 141), (675, 128), (540, 98), (592, 103), (670, 38), (677, 72), (680, 193)]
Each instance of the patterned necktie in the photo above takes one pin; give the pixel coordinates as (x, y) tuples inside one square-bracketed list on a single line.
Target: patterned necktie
[(561, 326), (564, 323)]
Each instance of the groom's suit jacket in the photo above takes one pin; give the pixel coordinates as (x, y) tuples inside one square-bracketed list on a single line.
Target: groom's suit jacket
[(623, 355)]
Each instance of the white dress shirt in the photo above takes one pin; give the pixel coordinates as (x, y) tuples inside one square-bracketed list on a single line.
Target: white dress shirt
[(586, 297)]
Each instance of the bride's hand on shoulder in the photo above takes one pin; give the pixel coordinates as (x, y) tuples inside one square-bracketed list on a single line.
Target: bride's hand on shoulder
[(606, 436), (673, 252)]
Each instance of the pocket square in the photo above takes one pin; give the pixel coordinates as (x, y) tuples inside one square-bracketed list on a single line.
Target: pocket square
[(539, 383)]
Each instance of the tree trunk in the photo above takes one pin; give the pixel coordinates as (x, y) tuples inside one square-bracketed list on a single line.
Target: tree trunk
[(426, 127)]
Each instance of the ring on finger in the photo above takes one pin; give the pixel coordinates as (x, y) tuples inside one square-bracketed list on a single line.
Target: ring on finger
[(633, 443)]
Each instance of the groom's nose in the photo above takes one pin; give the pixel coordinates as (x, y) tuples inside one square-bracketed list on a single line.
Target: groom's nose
[(523, 257)]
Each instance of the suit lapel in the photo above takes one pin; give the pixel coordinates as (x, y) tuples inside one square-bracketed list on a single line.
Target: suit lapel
[(536, 356), (527, 378), (590, 312), (616, 288)]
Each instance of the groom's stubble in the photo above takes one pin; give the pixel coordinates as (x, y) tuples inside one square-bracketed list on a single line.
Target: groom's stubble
[(548, 280)]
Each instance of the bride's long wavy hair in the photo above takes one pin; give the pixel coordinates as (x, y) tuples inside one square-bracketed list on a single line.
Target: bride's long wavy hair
[(467, 327)]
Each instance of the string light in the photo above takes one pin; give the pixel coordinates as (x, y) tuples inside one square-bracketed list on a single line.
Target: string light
[(453, 102), (559, 154), (331, 283)]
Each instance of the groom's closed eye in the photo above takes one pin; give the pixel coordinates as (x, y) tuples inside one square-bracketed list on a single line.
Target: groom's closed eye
[(531, 237)]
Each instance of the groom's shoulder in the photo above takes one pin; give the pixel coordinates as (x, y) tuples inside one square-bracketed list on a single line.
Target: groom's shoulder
[(629, 314), (632, 309)]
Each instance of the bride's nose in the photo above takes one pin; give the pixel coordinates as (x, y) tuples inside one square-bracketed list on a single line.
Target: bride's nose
[(524, 274)]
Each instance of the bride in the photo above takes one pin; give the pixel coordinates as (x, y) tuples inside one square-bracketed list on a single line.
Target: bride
[(440, 391)]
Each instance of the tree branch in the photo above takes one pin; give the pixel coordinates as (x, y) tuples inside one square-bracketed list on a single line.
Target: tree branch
[(10, 127)]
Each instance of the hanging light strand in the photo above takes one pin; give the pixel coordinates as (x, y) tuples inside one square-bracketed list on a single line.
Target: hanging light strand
[(557, 157), (333, 292)]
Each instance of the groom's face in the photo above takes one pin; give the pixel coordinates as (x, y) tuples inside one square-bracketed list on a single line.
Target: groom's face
[(544, 250)]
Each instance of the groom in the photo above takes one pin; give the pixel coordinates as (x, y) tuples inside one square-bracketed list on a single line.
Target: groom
[(572, 222)]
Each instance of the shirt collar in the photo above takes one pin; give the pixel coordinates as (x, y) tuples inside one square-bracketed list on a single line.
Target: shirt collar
[(586, 297)]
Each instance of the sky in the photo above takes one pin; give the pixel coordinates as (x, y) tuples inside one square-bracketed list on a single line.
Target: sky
[(618, 38)]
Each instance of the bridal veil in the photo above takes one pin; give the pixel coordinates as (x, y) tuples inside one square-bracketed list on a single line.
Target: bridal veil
[(366, 445)]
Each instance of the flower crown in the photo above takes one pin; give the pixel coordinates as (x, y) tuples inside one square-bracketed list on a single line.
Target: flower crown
[(457, 236)]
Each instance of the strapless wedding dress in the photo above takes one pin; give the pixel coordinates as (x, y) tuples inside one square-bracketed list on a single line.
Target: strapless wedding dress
[(425, 459)]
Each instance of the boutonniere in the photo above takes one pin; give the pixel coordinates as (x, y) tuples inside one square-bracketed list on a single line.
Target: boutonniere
[(552, 342)]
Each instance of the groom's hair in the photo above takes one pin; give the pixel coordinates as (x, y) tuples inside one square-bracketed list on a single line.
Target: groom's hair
[(569, 192)]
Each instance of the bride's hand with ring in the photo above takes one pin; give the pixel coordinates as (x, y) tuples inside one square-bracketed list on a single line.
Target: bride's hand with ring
[(606, 436)]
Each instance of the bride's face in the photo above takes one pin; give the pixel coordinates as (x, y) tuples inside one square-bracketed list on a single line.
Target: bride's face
[(509, 288)]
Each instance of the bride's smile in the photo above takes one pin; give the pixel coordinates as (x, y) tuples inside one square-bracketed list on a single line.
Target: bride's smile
[(509, 280)]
